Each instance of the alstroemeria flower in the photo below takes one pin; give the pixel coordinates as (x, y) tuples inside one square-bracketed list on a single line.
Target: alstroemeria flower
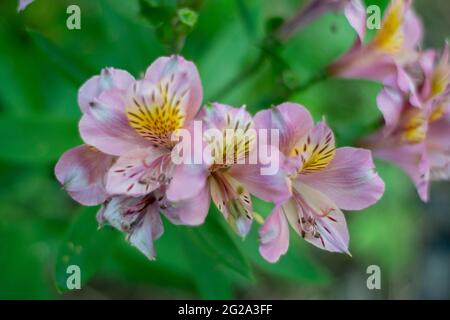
[(226, 175), (23, 4), (134, 121), (353, 10), (392, 47), (324, 181), (125, 164), (417, 138)]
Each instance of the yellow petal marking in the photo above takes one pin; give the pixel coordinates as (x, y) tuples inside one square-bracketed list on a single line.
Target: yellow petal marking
[(390, 37), (155, 114)]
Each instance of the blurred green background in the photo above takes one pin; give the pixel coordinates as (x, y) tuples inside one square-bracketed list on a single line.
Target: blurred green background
[(42, 64)]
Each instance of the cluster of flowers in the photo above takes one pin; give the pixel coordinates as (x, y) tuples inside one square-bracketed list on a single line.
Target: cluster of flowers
[(128, 127), (415, 99)]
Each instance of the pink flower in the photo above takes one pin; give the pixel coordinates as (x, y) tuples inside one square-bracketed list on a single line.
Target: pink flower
[(416, 133), (125, 165), (23, 4), (135, 120), (223, 176), (324, 181), (393, 46)]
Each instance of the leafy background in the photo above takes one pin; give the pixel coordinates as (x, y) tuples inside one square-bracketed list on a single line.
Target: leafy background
[(42, 230)]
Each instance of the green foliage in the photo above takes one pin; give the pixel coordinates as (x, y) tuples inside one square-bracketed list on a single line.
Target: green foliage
[(84, 246)]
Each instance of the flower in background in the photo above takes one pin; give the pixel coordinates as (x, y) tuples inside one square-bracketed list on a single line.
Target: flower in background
[(125, 165), (23, 4), (393, 46), (324, 181), (416, 136), (226, 175)]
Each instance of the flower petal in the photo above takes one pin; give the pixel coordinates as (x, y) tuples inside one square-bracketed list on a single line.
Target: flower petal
[(317, 219), (106, 126), (191, 211), (390, 102), (274, 236), (109, 78), (138, 217), (139, 172), (316, 150), (412, 158), (179, 78), (82, 171), (292, 120), (233, 201), (272, 187), (187, 181), (356, 15), (349, 180), (143, 235)]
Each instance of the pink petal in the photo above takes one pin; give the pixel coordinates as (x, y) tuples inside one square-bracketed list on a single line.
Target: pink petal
[(221, 116), (106, 126), (143, 235), (355, 13), (412, 28), (413, 160), (438, 147), (364, 63), (138, 217), (233, 201), (332, 234), (349, 180), (272, 187), (81, 171), (109, 78), (191, 211), (292, 120), (138, 172), (183, 79), (274, 236), (187, 182), (390, 102)]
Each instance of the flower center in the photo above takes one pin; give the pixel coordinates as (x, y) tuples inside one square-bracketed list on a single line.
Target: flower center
[(315, 153), (232, 144), (155, 113)]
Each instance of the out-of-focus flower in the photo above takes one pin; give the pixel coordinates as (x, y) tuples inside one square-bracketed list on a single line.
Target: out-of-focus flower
[(416, 136), (324, 181), (125, 165), (226, 175), (353, 10), (393, 46), (23, 4)]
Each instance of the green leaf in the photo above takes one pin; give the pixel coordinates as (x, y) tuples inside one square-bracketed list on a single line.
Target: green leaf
[(247, 18), (36, 140), (215, 240), (70, 67), (211, 280), (84, 246)]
